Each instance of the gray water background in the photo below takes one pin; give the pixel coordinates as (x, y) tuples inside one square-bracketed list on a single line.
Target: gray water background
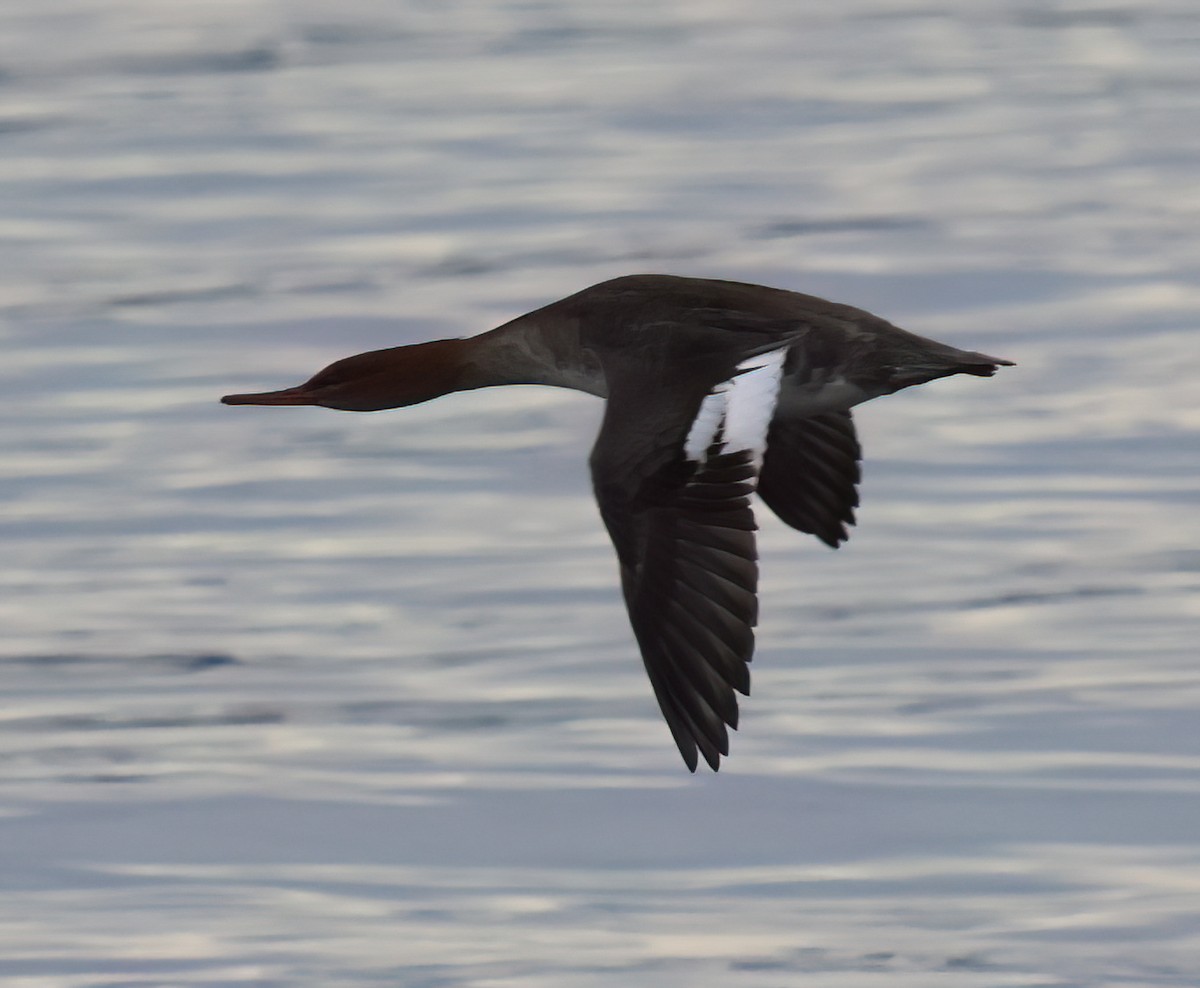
[(294, 697)]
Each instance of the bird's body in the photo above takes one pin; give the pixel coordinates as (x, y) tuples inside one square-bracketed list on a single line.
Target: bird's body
[(715, 390)]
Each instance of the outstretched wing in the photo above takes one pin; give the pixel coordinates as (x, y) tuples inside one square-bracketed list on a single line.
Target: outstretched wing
[(674, 482), (810, 474)]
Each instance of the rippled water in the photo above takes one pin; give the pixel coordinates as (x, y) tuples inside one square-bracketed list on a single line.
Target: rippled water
[(296, 697)]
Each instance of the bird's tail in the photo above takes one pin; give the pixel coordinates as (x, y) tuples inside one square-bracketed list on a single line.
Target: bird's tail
[(944, 361)]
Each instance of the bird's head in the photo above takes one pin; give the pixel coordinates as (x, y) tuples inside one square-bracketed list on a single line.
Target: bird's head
[(369, 382)]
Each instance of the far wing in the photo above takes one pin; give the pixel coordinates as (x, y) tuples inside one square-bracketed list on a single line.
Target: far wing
[(810, 474)]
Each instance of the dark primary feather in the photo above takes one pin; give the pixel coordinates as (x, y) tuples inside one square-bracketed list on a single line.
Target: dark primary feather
[(810, 474), (689, 573)]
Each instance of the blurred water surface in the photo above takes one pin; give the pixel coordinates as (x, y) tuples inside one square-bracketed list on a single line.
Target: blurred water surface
[(297, 697)]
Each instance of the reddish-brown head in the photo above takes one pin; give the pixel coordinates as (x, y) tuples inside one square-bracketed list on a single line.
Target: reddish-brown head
[(368, 382)]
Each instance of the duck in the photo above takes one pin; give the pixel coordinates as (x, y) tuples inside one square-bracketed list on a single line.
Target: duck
[(716, 392)]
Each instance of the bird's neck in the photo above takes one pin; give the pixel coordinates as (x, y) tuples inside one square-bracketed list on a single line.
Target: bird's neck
[(539, 348)]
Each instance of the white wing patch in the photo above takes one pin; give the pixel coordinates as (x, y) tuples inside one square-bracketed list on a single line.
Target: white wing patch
[(737, 412), (708, 420)]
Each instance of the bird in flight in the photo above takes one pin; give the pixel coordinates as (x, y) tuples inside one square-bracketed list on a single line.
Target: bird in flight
[(716, 390)]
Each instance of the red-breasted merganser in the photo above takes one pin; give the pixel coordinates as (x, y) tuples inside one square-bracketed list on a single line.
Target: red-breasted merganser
[(716, 389)]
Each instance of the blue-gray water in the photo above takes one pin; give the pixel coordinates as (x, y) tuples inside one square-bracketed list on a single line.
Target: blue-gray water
[(294, 697)]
